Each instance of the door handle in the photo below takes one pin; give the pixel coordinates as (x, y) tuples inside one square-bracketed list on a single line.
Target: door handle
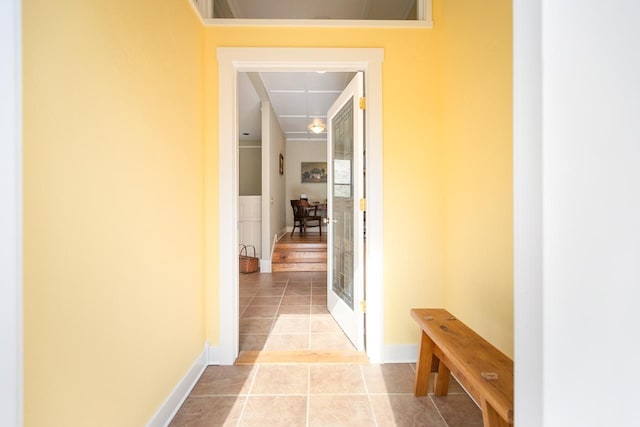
[(326, 220)]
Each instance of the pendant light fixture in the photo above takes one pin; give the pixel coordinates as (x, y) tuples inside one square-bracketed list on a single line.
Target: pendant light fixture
[(317, 126)]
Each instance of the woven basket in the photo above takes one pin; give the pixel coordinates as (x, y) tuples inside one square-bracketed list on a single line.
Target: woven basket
[(248, 264)]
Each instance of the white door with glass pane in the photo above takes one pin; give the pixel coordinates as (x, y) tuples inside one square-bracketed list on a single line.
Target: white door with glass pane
[(345, 189)]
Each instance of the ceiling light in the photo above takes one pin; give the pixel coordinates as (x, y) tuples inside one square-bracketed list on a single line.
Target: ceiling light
[(317, 127)]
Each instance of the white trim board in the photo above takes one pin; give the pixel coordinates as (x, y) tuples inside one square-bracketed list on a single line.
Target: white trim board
[(231, 61), (265, 265), (213, 355), (180, 392), (318, 23), (528, 227), (424, 9), (401, 353), (11, 311)]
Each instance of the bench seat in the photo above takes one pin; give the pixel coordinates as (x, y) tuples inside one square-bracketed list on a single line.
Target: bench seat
[(448, 345)]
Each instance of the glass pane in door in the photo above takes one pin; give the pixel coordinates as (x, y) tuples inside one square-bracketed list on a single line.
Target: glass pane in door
[(343, 203)]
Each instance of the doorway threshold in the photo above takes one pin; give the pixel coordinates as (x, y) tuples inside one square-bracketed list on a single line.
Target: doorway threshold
[(300, 356)]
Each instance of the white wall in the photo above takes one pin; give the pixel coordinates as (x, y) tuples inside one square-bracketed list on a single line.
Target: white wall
[(591, 179), (590, 210), (10, 215), (298, 152), (250, 164), (273, 184)]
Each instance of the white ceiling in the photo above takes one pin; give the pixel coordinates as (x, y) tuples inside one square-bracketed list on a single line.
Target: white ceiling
[(298, 99), (314, 9)]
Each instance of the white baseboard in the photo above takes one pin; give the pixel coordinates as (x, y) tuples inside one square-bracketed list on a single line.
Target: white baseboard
[(172, 403), (403, 353), (265, 266), (282, 232), (312, 231), (213, 355)]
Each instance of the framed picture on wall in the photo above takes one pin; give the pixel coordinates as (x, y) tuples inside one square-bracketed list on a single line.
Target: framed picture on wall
[(281, 170), (313, 172)]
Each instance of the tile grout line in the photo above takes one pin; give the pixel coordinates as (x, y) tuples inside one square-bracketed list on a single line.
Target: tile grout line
[(308, 394), (246, 400), (430, 395), (366, 388), (246, 307), (275, 316), (310, 314)]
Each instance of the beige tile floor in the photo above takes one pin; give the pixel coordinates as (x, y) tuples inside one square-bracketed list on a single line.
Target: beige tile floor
[(279, 312), (287, 311)]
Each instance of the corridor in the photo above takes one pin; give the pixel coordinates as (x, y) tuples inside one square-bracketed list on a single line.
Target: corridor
[(283, 321)]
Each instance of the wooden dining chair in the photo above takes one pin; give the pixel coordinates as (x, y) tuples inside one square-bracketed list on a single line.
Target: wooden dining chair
[(305, 216)]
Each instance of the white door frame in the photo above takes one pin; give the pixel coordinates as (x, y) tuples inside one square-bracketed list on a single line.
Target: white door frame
[(349, 318), (231, 61), (11, 307), (528, 230)]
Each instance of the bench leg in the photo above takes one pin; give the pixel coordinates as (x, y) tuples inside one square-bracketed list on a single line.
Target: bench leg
[(490, 417), (442, 380), (423, 366)]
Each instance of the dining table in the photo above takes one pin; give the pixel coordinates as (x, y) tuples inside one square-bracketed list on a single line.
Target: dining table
[(319, 208)]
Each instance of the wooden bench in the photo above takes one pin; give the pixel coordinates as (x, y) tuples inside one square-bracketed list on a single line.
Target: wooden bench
[(448, 345)]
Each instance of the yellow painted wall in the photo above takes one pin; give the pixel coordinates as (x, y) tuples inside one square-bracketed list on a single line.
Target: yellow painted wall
[(113, 208), (476, 70), (118, 98), (413, 263), (447, 154)]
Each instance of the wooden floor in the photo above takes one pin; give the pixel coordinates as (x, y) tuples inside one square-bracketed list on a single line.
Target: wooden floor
[(309, 237), (300, 356), (300, 252)]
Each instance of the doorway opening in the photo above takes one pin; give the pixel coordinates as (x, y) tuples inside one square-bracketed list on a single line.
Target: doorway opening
[(231, 62), (314, 120)]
